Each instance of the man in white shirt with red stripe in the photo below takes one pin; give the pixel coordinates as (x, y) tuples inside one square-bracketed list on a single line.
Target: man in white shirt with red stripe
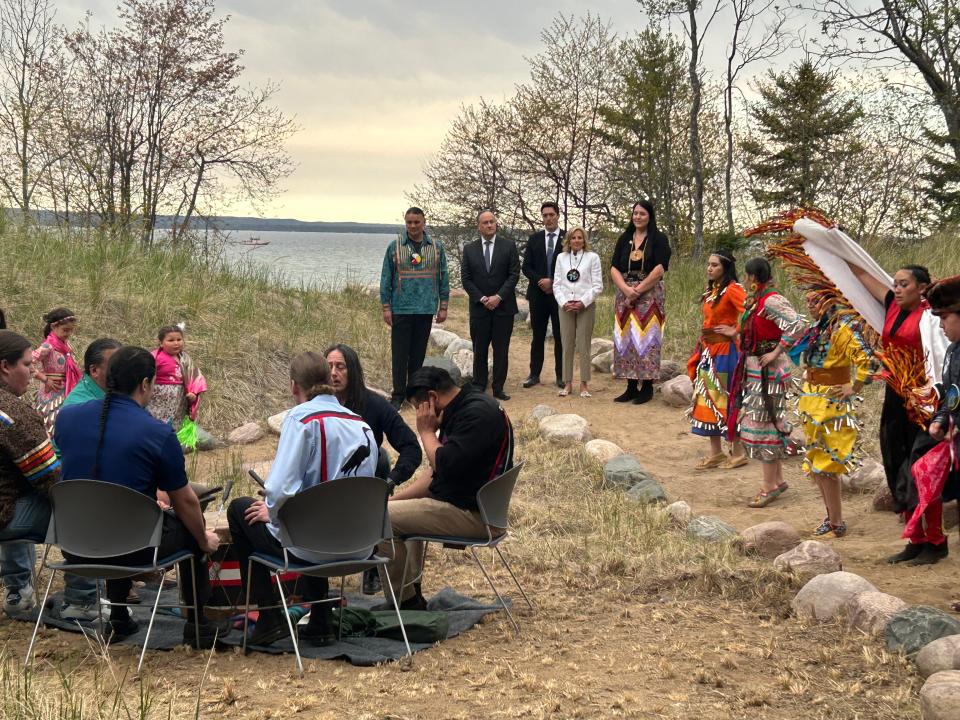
[(320, 440)]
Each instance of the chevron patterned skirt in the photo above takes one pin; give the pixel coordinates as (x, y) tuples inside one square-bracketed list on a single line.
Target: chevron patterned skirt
[(638, 335)]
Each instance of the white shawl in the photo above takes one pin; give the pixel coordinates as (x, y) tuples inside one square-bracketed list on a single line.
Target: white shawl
[(831, 249)]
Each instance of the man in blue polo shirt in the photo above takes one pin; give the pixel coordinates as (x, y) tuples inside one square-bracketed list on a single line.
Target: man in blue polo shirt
[(116, 440)]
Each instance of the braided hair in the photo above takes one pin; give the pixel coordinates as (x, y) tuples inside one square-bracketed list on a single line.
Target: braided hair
[(128, 368), (57, 315), (729, 263)]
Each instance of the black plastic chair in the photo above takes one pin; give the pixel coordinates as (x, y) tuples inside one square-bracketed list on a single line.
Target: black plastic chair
[(95, 520), (345, 519), (493, 501)]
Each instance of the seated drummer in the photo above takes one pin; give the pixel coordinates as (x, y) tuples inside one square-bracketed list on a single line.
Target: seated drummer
[(475, 446), (116, 440), (346, 378), (318, 434)]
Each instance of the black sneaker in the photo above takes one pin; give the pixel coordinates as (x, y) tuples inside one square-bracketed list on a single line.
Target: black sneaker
[(909, 552), (318, 635), (119, 629), (271, 626), (931, 554), (371, 582), (209, 632)]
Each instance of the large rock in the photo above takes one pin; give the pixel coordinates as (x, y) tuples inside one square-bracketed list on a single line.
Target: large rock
[(523, 311), (275, 422), (539, 412), (647, 492), (811, 557), (939, 655), (870, 611), (770, 539), (883, 499), (670, 369), (565, 429), (911, 629), (457, 345), (603, 450), (865, 479), (624, 471), (940, 696), (711, 529), (680, 513), (462, 360), (603, 362), (600, 345), (441, 338), (245, 434), (825, 596), (677, 392)]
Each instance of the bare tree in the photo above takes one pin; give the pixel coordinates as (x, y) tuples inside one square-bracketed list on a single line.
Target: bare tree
[(27, 48)]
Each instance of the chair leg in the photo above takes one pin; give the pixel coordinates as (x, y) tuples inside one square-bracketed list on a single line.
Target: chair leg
[(153, 614), (36, 627), (246, 607), (286, 614), (100, 610), (503, 604), (515, 581), (396, 608), (196, 599), (340, 614)]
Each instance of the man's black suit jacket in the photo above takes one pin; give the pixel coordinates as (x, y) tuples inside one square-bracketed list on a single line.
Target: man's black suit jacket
[(501, 280), (535, 262)]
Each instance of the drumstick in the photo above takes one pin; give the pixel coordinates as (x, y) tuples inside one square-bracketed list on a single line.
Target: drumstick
[(226, 494)]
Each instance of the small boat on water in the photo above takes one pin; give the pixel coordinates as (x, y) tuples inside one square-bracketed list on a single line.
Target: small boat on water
[(254, 241)]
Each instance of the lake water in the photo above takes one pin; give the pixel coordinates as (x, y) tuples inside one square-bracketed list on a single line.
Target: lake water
[(315, 259)]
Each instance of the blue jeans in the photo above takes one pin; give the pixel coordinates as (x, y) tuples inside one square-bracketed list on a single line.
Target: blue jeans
[(31, 516)]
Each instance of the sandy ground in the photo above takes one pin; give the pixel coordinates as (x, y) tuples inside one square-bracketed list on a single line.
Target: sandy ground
[(599, 646)]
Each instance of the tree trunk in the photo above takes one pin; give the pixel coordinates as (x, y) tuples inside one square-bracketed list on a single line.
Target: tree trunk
[(696, 154)]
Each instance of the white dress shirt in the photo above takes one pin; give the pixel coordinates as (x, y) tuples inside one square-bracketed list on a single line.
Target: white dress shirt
[(590, 284)]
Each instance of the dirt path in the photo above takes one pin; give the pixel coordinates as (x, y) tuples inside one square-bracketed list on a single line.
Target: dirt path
[(659, 436)]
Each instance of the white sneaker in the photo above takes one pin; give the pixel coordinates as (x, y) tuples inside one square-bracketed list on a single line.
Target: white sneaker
[(21, 601), (80, 613)]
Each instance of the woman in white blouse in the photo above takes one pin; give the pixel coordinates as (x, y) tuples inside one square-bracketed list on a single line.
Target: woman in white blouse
[(577, 282)]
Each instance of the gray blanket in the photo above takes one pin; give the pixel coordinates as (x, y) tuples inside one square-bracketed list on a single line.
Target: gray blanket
[(462, 612)]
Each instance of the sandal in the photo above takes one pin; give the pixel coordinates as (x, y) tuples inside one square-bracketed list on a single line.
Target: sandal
[(710, 462), (763, 499), (563, 393), (585, 394)]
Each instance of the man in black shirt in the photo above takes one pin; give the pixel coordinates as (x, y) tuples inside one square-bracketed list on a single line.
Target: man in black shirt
[(475, 445)]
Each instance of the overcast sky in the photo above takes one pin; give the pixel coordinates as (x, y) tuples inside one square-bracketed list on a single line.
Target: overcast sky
[(375, 83)]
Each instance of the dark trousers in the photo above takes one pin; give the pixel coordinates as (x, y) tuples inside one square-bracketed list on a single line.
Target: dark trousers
[(174, 539), (897, 436), (249, 539), (409, 335), (543, 309), (485, 330)]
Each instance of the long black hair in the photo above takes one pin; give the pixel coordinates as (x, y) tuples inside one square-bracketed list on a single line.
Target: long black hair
[(729, 263), (355, 394), (652, 228), (759, 269), (12, 346), (55, 316), (128, 368), (93, 355)]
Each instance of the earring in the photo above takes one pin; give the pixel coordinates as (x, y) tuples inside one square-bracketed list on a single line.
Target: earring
[(753, 287)]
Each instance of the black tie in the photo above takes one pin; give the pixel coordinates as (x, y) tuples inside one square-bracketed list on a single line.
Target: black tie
[(550, 248), (487, 252)]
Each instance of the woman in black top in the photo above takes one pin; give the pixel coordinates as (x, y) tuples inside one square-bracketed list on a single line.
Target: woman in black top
[(346, 378), (640, 259)]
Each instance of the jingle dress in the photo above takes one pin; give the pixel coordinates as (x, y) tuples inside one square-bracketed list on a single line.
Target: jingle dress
[(713, 362), (759, 395), (54, 358)]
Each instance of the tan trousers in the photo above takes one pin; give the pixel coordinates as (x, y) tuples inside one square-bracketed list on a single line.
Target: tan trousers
[(577, 326), (423, 516)]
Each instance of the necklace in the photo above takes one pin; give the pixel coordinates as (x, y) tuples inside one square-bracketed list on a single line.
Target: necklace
[(637, 252), (573, 274)]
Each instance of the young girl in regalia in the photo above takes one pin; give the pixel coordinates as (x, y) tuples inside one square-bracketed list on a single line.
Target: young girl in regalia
[(53, 364), (178, 384)]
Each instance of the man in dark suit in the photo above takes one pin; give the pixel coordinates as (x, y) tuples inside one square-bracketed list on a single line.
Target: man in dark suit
[(489, 272), (539, 261)]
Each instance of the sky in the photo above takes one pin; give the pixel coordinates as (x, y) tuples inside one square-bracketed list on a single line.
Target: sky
[(374, 84)]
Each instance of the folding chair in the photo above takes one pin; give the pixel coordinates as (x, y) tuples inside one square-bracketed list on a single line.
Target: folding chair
[(341, 518), (96, 520), (493, 501)]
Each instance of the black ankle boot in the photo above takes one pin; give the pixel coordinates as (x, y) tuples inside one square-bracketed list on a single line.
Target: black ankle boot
[(646, 393), (630, 393)]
